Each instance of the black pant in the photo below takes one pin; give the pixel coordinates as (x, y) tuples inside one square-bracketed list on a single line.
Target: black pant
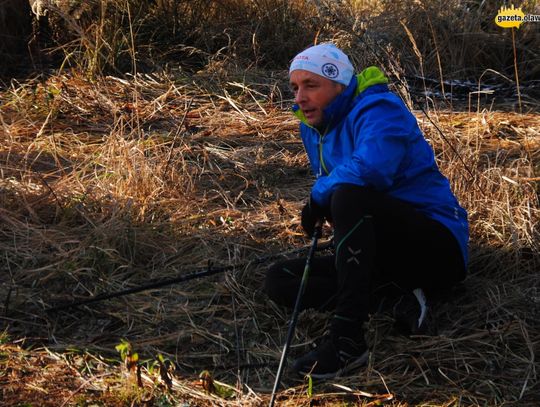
[(379, 241)]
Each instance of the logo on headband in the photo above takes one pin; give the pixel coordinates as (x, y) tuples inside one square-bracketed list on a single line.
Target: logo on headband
[(330, 71)]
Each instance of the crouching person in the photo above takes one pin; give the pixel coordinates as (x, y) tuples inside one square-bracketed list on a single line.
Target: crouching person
[(395, 220)]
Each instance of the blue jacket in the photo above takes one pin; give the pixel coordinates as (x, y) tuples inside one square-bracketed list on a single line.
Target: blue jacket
[(372, 139)]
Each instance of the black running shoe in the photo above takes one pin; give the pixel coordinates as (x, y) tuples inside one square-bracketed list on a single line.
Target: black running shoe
[(411, 313), (334, 356)]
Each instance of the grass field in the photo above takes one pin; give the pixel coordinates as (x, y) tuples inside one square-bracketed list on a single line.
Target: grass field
[(109, 181)]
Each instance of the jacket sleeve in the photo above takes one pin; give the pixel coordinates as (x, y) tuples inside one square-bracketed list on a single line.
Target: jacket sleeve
[(381, 130)]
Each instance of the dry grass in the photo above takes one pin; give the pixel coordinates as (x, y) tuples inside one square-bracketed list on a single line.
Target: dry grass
[(107, 184), (457, 39)]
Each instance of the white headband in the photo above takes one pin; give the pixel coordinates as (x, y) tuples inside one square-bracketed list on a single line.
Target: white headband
[(325, 60)]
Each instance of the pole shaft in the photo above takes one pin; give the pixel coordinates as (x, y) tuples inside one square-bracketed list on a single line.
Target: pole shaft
[(296, 311), (133, 290), (165, 282)]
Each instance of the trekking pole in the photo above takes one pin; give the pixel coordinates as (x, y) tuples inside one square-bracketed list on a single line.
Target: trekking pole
[(170, 281), (156, 284), (292, 325)]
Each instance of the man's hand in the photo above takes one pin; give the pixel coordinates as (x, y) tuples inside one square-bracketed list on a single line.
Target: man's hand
[(311, 213)]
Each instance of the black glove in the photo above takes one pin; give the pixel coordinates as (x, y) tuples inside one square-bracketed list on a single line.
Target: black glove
[(311, 213)]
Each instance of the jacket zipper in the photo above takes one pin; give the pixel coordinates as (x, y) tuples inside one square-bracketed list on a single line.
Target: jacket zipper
[(322, 165)]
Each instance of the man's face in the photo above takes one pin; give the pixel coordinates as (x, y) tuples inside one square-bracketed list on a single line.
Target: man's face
[(312, 93)]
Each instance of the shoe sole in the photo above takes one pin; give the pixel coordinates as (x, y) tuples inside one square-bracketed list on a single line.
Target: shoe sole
[(419, 326), (361, 361), (421, 298)]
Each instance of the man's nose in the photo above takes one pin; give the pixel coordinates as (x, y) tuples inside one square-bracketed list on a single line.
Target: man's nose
[(300, 96)]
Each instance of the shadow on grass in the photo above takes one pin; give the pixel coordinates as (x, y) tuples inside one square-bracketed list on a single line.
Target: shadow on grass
[(484, 351)]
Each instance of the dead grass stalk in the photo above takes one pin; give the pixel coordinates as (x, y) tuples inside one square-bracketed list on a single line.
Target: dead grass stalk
[(108, 183)]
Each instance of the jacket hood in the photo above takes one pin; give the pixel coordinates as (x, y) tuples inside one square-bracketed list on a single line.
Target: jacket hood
[(340, 106)]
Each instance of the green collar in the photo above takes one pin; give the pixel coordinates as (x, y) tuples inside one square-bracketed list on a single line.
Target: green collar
[(368, 77)]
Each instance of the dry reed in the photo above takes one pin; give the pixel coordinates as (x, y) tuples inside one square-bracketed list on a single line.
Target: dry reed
[(109, 183), (112, 182), (459, 41)]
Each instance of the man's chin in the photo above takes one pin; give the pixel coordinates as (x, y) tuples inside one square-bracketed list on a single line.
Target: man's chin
[(314, 121)]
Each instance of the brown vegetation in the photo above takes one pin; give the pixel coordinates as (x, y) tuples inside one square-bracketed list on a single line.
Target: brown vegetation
[(108, 182), (455, 39)]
